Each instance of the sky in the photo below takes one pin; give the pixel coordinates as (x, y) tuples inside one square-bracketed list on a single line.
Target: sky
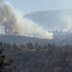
[(29, 6)]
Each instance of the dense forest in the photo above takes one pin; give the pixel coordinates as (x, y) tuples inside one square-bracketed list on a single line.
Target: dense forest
[(36, 58), (5, 63)]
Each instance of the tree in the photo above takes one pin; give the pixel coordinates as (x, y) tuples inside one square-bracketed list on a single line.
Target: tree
[(36, 45), (14, 45), (29, 45), (5, 64), (22, 46), (57, 69), (67, 46), (49, 45)]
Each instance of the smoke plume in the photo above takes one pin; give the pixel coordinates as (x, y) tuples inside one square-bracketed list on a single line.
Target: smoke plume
[(66, 17), (15, 23)]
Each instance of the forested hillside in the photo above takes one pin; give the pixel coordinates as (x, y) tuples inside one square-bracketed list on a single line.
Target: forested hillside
[(6, 64), (37, 58), (59, 38), (52, 19)]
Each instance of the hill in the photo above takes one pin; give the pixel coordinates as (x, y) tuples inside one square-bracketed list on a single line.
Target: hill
[(51, 20), (60, 39), (11, 39)]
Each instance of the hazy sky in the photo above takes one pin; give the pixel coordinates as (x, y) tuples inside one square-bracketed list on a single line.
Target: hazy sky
[(28, 6)]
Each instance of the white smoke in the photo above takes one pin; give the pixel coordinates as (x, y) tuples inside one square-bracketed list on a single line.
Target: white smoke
[(66, 17), (68, 27), (16, 23)]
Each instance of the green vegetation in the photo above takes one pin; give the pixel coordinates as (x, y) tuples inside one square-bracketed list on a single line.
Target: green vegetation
[(5, 63), (36, 58)]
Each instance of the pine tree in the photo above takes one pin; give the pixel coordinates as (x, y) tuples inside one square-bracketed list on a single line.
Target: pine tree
[(5, 64)]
